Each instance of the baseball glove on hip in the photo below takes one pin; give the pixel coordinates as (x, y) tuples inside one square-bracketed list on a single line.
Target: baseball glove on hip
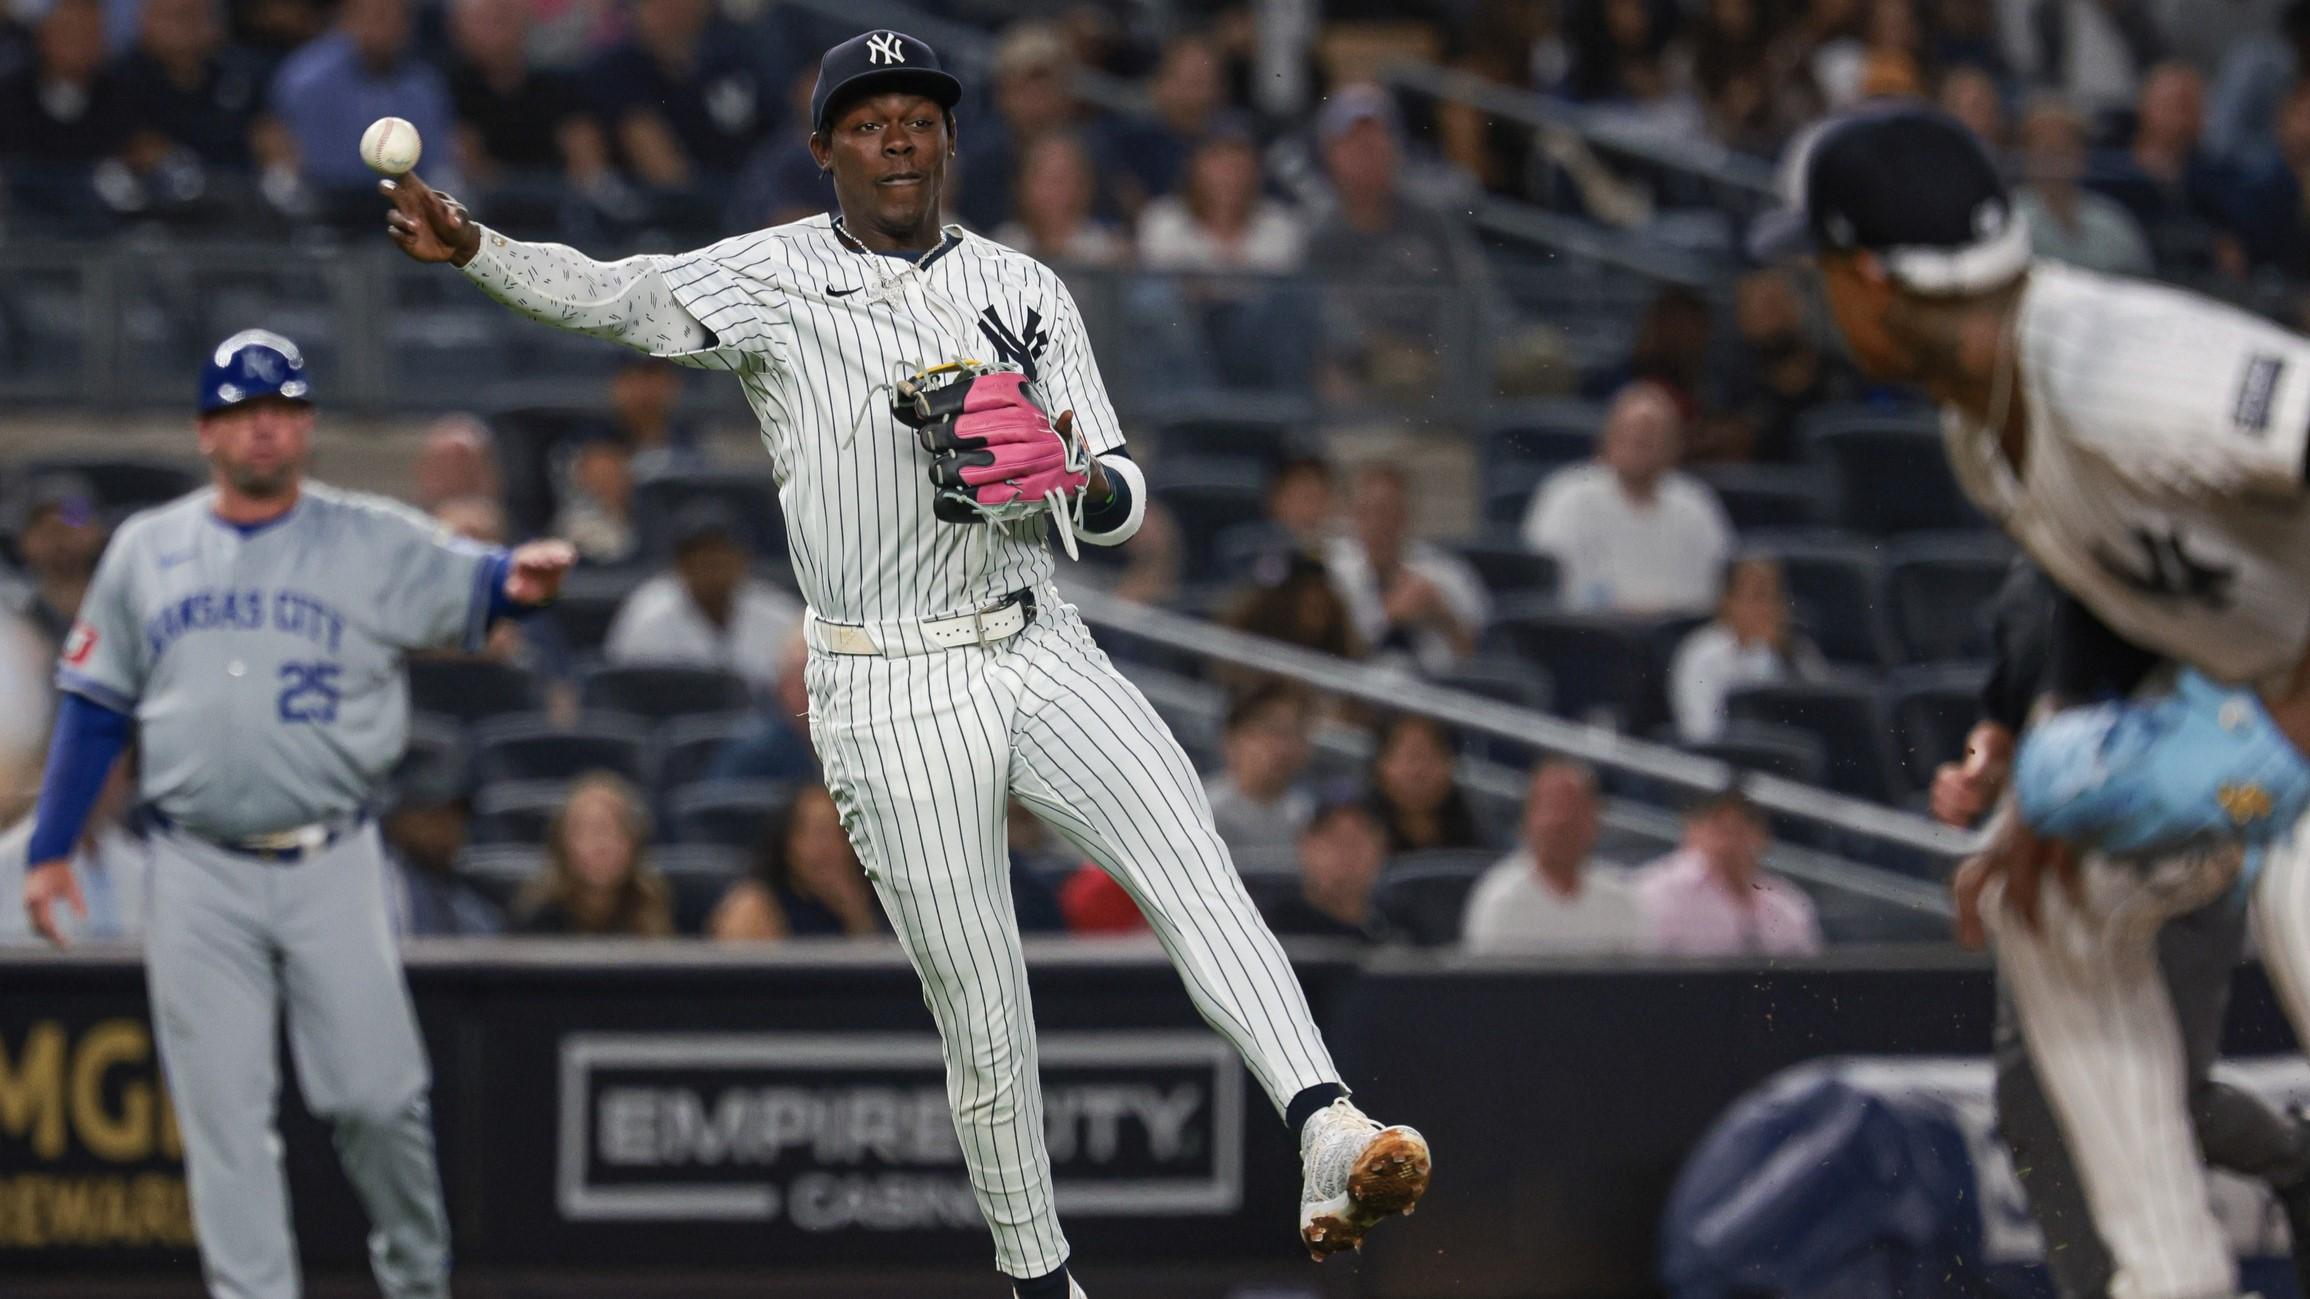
[(995, 455)]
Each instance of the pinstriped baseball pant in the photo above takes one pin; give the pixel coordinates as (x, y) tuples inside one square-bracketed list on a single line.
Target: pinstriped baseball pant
[(921, 753)]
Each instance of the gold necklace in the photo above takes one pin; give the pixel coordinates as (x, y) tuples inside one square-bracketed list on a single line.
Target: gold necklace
[(856, 244)]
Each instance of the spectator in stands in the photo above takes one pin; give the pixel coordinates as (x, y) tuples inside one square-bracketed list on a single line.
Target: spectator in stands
[(2099, 53), (805, 881), (327, 94), (475, 518), (1301, 504), (1400, 268), (1258, 801), (1296, 604), (112, 863), (1051, 212), (1413, 789), (458, 458), (1672, 349), (1094, 903), (425, 829), (782, 182), (682, 101), (64, 107), (60, 540), (597, 500), (1750, 643), (2172, 187), (517, 123), (535, 645), (1629, 532), (708, 610), (2271, 201), (1971, 95), (1188, 96), (1034, 93), (190, 94), (1549, 897), (1220, 220), (1620, 52), (2254, 79), (1341, 854), (2067, 222), (776, 746), (597, 881), (1776, 373), (1408, 598), (645, 413), (1712, 896)]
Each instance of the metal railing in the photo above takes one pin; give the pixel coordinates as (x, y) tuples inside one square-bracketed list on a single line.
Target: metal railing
[(1905, 835)]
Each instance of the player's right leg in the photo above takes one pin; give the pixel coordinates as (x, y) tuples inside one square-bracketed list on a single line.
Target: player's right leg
[(2102, 1036), (209, 966), (360, 1061), (915, 751)]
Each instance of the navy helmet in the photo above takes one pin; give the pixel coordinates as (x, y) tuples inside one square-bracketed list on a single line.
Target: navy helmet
[(251, 364), (879, 61)]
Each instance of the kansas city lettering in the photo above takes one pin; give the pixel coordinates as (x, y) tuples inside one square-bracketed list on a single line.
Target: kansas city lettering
[(295, 613)]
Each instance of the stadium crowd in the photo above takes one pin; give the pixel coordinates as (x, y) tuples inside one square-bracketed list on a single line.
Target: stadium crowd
[(1717, 535)]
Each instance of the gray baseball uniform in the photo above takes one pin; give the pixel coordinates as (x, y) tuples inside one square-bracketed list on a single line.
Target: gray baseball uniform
[(263, 667)]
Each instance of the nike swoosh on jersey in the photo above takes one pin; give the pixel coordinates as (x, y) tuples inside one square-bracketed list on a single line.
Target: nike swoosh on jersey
[(843, 293), (171, 561)]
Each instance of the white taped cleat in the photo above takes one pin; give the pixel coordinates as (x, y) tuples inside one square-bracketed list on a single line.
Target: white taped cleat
[(1356, 1173)]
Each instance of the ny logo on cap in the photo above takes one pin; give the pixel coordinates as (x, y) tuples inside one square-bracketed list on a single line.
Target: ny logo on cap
[(882, 47)]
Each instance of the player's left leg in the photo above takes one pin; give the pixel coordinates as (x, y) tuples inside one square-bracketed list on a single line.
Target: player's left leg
[(360, 1061), (1094, 759)]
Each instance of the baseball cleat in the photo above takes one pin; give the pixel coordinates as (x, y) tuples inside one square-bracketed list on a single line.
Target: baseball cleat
[(1357, 1173)]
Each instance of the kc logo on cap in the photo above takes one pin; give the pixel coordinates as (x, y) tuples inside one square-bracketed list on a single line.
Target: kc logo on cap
[(883, 47)]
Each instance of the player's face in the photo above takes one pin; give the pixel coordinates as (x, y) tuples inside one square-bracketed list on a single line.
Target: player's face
[(259, 447), (1861, 301), (888, 154)]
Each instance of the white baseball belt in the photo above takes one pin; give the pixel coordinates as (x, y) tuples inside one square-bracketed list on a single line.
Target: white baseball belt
[(899, 637)]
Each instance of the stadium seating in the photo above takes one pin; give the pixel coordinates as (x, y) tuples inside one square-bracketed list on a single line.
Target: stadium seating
[(1509, 568), (1260, 429), (1600, 663), (664, 690), (1890, 472), (1932, 709), (589, 603), (1778, 497), (1844, 715), (730, 813), (750, 496), (500, 869), (1938, 590), (527, 748), (687, 746), (698, 874), (527, 440), (1506, 493), (1783, 751), (469, 689), (518, 812), (1834, 585), (1206, 497), (1423, 895), (122, 483)]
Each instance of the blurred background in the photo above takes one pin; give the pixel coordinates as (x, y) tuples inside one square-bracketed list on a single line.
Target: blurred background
[(1567, 632)]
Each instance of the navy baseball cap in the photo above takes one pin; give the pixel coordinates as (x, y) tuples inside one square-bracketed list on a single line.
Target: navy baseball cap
[(881, 61), (1909, 183), (251, 364)]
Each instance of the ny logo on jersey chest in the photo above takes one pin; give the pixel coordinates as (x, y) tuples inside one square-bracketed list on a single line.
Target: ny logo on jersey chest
[(1023, 347), (2167, 570)]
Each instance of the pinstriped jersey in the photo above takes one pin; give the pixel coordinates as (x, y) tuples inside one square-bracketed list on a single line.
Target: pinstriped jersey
[(2163, 480), (817, 332)]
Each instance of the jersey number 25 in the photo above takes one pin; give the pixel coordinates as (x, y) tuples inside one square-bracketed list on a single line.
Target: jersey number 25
[(309, 692)]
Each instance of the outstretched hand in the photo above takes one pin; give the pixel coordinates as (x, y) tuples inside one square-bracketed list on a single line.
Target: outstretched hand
[(534, 571), (49, 887), (429, 225)]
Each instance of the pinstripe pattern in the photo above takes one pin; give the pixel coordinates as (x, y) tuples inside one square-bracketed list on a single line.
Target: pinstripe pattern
[(2101, 1033), (906, 741)]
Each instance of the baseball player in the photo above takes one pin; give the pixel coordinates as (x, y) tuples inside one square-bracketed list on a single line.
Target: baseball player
[(2146, 448), (945, 675), (251, 636), (2047, 644)]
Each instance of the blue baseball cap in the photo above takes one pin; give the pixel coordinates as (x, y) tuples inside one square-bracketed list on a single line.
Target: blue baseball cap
[(1908, 183), (881, 61), (251, 364)]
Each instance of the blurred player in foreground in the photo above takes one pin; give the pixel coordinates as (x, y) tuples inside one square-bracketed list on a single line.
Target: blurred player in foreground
[(945, 674), (250, 636), (2146, 447)]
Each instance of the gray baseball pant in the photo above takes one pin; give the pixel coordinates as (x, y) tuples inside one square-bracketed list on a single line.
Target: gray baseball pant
[(235, 940)]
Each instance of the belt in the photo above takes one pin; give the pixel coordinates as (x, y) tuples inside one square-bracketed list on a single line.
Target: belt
[(899, 637), (281, 846)]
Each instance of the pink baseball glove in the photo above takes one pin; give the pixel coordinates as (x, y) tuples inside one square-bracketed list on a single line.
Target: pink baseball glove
[(995, 455)]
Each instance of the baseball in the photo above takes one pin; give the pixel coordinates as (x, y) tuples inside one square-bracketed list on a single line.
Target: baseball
[(391, 146)]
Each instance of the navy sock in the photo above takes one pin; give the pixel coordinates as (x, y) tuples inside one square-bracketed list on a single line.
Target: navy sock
[(1051, 1286), (1304, 1106)]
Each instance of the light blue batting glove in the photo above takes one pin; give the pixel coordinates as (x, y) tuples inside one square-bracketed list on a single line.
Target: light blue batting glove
[(2142, 778)]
